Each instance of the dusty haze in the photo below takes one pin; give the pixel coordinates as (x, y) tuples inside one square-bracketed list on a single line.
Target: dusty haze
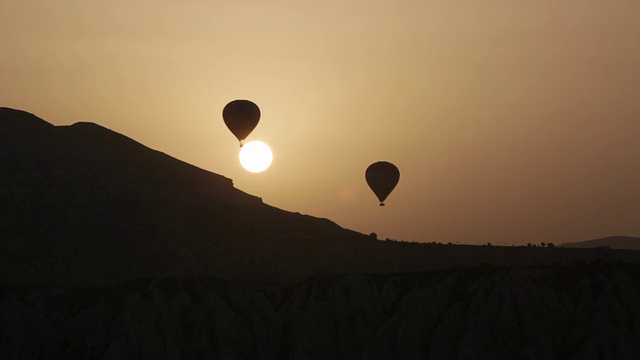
[(511, 122)]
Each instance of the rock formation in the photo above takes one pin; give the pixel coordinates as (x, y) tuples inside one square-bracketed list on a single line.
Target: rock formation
[(573, 312)]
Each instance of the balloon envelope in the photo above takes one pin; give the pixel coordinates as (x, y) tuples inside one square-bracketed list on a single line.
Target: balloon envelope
[(382, 178), (241, 117)]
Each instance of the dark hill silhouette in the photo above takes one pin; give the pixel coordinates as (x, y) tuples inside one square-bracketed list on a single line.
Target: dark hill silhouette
[(83, 205), (611, 242)]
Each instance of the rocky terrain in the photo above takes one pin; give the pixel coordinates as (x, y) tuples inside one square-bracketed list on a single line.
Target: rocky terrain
[(109, 249), (574, 312)]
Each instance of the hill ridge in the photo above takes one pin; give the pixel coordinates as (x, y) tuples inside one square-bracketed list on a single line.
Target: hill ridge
[(83, 205), (83, 181)]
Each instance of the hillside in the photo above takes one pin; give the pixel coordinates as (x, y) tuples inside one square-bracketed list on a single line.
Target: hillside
[(85, 206), (611, 242)]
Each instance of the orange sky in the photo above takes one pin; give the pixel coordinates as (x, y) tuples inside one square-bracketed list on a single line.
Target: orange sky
[(510, 121)]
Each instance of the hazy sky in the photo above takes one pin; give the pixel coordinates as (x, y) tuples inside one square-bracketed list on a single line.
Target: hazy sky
[(510, 121)]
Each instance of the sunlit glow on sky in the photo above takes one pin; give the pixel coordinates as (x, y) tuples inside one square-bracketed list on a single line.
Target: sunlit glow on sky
[(510, 121)]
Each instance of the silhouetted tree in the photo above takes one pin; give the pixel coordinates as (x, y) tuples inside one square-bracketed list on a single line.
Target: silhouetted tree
[(550, 244), (373, 236), (543, 244), (528, 244)]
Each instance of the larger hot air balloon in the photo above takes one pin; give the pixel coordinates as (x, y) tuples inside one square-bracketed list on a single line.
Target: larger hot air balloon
[(241, 117), (382, 178)]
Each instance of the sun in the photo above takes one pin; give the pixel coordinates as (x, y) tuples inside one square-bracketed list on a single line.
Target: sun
[(256, 156)]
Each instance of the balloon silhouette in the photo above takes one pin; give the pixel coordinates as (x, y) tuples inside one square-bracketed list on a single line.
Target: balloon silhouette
[(382, 178), (241, 117)]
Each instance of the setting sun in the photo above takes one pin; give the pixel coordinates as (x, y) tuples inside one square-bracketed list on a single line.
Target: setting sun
[(256, 156)]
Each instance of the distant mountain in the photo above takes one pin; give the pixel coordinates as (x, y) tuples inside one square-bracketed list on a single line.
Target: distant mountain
[(611, 242), (81, 205)]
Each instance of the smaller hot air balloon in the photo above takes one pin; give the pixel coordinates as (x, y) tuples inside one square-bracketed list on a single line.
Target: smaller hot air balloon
[(382, 178), (241, 117)]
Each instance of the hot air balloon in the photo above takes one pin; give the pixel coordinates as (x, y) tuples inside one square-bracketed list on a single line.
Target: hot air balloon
[(241, 117), (382, 178)]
